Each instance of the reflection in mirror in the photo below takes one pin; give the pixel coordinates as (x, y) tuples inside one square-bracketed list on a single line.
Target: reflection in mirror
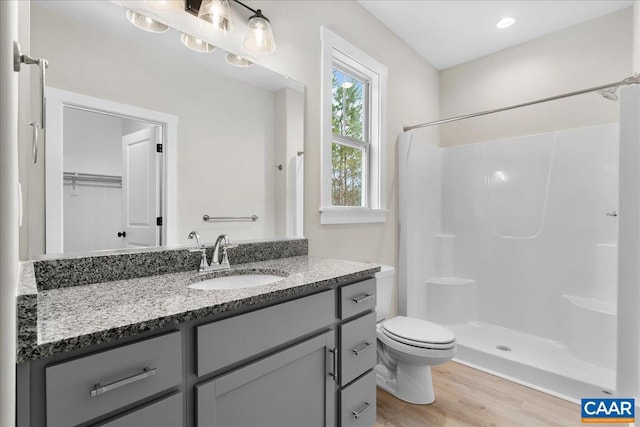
[(110, 170), (232, 138)]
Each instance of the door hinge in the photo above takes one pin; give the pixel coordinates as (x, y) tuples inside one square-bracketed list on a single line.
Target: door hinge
[(159, 148), (159, 221)]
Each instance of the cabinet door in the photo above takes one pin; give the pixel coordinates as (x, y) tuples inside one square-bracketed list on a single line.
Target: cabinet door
[(292, 388)]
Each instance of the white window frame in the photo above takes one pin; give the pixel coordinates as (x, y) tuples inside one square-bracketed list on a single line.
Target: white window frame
[(337, 50)]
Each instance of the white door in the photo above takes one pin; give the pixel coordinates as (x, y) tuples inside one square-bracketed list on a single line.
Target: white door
[(140, 188)]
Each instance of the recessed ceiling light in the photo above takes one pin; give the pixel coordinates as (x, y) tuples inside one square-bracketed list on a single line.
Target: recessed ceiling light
[(505, 22)]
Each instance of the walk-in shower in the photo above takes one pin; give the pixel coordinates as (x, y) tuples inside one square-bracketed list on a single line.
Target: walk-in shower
[(513, 245)]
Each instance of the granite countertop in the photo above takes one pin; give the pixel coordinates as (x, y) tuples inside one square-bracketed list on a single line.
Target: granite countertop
[(74, 317)]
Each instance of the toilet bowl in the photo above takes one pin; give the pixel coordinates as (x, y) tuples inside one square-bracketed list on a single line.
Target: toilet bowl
[(407, 348)]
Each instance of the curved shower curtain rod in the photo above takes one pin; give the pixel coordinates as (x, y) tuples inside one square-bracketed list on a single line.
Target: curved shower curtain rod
[(625, 82)]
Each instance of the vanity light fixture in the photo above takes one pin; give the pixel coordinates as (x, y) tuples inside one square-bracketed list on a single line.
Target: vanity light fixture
[(258, 40), (505, 22), (196, 44), (145, 23), (175, 5), (218, 14), (237, 60)]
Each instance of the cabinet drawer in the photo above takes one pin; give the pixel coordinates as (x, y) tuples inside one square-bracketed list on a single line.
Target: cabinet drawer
[(358, 402), (82, 389), (357, 298), (166, 412), (358, 351), (250, 334)]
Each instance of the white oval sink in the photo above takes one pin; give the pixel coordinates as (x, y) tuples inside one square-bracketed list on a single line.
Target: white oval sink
[(236, 282)]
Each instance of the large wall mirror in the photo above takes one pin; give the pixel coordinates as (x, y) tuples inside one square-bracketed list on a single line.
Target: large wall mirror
[(141, 128)]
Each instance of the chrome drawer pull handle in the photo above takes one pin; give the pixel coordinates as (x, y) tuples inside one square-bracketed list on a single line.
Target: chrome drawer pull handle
[(141, 376), (363, 297), (362, 410), (334, 369), (364, 346)]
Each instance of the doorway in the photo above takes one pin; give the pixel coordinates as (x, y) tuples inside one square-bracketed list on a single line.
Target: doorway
[(110, 167), (106, 177)]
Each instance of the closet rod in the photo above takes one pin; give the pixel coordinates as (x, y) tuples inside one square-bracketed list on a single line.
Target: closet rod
[(73, 176), (625, 82)]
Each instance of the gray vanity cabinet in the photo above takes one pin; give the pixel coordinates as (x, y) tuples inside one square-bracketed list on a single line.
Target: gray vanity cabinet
[(289, 388), (306, 361)]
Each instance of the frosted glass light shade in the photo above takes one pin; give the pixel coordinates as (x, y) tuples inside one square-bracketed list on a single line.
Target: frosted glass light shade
[(174, 5), (196, 44), (218, 14), (237, 60), (259, 39), (145, 23)]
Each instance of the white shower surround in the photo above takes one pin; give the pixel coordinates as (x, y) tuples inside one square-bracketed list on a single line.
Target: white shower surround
[(526, 219)]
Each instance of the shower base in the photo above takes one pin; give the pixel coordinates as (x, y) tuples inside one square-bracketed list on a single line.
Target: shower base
[(532, 361)]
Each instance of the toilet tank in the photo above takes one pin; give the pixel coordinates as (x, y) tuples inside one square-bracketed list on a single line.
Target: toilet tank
[(384, 291)]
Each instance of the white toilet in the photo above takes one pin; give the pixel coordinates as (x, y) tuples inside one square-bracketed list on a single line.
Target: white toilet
[(407, 348)]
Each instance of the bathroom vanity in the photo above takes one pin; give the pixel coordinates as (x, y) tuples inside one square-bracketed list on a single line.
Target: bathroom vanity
[(151, 351)]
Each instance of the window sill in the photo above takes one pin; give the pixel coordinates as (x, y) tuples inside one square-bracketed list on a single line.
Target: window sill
[(352, 215)]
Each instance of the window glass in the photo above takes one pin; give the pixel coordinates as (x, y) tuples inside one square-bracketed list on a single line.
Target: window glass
[(348, 106), (348, 150), (348, 175)]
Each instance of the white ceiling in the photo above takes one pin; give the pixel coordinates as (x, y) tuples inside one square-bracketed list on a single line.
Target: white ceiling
[(448, 33)]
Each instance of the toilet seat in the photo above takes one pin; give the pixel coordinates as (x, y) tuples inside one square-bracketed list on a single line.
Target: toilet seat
[(418, 333)]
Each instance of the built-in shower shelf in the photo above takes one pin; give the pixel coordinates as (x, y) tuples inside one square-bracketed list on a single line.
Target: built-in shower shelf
[(608, 245), (451, 300), (589, 329), (450, 281), (592, 304)]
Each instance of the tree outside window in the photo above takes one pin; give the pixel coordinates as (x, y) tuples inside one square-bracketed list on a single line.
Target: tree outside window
[(349, 148)]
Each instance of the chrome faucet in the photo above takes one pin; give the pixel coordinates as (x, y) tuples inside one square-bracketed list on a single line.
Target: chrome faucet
[(222, 244)]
